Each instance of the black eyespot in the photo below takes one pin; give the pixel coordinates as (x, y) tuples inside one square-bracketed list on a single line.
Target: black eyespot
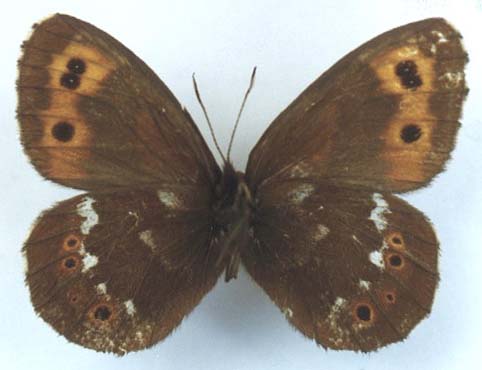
[(63, 131), (102, 313), (396, 240), (75, 296), (390, 297), (411, 133), (408, 73), (76, 65), (364, 312), (70, 263), (72, 242), (70, 81), (395, 260)]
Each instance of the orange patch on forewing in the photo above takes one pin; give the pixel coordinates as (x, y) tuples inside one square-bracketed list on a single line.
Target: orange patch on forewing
[(65, 161), (385, 65), (405, 161), (62, 104), (98, 67), (413, 109), (88, 86), (66, 158), (67, 164), (81, 136)]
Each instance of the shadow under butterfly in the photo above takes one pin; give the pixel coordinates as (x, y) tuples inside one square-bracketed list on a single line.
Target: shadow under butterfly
[(312, 219)]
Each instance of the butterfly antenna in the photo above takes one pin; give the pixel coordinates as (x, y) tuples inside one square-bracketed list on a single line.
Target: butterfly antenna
[(251, 84), (198, 96)]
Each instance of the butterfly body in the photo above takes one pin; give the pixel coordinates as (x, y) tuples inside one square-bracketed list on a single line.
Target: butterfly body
[(233, 214), (313, 219)]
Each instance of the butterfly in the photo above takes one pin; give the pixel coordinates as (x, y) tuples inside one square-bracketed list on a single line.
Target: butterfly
[(313, 219)]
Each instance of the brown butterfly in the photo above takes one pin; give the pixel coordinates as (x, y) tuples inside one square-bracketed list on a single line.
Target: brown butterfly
[(312, 220)]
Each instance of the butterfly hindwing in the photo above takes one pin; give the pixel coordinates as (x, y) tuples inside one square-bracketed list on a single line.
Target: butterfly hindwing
[(351, 269), (93, 115), (384, 117), (117, 272)]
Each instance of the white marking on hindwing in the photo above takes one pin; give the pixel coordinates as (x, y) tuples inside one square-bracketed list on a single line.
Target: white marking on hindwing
[(339, 303), (146, 237), (130, 308), (339, 334), (101, 288), (378, 213), (300, 193), (89, 261), (297, 171), (406, 324), (136, 217), (85, 209), (365, 285), (376, 256), (321, 232), (168, 198), (288, 312), (25, 261)]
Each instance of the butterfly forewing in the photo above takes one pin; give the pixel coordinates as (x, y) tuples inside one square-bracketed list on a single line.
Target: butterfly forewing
[(94, 116), (117, 272), (352, 269), (384, 117)]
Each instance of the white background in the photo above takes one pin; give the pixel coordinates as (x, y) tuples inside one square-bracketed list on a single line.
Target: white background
[(236, 326)]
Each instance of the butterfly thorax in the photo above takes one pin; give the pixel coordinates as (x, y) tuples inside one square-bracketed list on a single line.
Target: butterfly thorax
[(232, 213)]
